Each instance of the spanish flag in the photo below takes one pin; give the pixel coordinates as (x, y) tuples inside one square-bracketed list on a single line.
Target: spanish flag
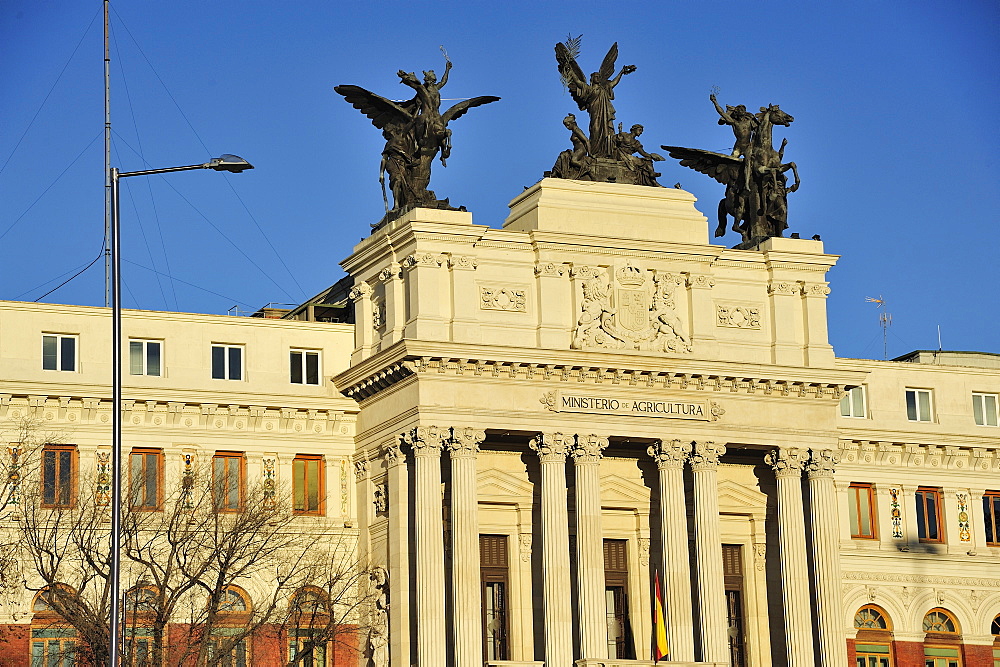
[(660, 650)]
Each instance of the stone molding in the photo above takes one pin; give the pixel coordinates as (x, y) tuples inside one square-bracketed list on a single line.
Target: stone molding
[(670, 453), (465, 441), (588, 448), (550, 269), (896, 577), (705, 455), (463, 262), (421, 259), (816, 289), (700, 281), (552, 447), (912, 455), (784, 288), (822, 463), (787, 462)]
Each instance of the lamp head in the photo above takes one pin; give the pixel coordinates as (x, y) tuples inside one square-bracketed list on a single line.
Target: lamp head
[(228, 162)]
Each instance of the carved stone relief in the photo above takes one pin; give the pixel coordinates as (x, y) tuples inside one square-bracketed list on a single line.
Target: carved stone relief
[(629, 309), (502, 298), (737, 317)]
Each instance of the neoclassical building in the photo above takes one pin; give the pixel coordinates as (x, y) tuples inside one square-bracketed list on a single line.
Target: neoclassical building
[(527, 426)]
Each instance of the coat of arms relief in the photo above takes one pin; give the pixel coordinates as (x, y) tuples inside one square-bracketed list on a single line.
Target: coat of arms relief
[(630, 309)]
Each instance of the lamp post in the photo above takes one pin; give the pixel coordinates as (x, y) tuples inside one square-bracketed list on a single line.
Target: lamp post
[(233, 164)]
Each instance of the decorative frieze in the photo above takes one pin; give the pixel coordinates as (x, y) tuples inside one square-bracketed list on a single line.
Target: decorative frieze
[(463, 262), (512, 299), (103, 490), (421, 259), (964, 529), (380, 498), (269, 472), (784, 288), (895, 513), (737, 317), (550, 269)]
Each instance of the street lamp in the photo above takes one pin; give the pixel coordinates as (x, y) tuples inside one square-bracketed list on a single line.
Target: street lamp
[(226, 162)]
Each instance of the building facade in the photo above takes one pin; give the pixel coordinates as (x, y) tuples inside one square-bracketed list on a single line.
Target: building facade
[(525, 428)]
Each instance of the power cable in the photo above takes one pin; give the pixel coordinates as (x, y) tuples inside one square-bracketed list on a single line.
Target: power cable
[(212, 224), (48, 94), (207, 152), (156, 217), (203, 289), (30, 206), (94, 261)]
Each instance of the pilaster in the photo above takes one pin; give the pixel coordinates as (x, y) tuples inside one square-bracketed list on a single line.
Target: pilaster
[(398, 554), (427, 297), (364, 333), (670, 456), (465, 299), (552, 449), (587, 453), (554, 309), (787, 465), (708, 545)]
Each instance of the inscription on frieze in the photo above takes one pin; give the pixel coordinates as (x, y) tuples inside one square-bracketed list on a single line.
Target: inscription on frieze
[(612, 404)]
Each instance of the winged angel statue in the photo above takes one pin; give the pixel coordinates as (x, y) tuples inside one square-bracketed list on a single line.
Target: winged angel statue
[(604, 155), (415, 132), (754, 174)]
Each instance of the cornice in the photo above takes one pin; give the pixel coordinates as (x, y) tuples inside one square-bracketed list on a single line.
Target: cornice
[(409, 357), (967, 458), (950, 581)]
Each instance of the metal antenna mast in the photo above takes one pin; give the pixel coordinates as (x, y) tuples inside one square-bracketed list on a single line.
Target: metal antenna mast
[(884, 321), (107, 160)]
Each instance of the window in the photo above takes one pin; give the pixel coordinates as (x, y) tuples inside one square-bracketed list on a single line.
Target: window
[(939, 620), (146, 478), (309, 632), (493, 566), (852, 404), (228, 644), (984, 408), (140, 606), (616, 599), (732, 570), (918, 405), (58, 352), (929, 515), (307, 484), (58, 475), (228, 480), (304, 367), (144, 357), (991, 516), (940, 644), (227, 362), (860, 497), (874, 639), (53, 641)]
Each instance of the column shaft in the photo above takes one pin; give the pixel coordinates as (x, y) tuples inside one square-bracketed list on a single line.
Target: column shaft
[(787, 464), (676, 570), (558, 623), (826, 558), (399, 561), (431, 633), (708, 545), (590, 547), (466, 594)]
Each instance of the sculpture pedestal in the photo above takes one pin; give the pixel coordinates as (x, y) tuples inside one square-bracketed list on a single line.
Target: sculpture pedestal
[(589, 208)]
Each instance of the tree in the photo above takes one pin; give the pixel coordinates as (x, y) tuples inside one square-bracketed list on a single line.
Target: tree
[(202, 576)]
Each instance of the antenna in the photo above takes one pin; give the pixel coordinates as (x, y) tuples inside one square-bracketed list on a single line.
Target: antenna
[(107, 161), (884, 321), (939, 337)]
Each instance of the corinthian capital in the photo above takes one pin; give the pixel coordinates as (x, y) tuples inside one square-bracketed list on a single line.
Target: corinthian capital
[(361, 290), (670, 453), (822, 463), (465, 442), (426, 440), (787, 462), (705, 455), (552, 446), (588, 448)]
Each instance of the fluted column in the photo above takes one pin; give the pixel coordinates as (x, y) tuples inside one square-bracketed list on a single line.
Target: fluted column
[(788, 464), (826, 557), (670, 456), (399, 561), (593, 612), (708, 546), (466, 594), (426, 442), (552, 449)]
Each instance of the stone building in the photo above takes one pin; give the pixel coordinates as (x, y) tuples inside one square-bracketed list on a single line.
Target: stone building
[(527, 426)]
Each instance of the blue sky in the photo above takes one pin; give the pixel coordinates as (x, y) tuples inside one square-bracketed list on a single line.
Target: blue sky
[(895, 137)]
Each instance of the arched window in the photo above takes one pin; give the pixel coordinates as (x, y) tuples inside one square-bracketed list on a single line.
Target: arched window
[(943, 643), (871, 617), (140, 605), (995, 627), (940, 620), (309, 628), (873, 642), (228, 639), (53, 640)]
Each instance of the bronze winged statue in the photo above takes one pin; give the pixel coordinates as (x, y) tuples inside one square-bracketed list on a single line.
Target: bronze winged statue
[(756, 186), (415, 132), (604, 155)]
